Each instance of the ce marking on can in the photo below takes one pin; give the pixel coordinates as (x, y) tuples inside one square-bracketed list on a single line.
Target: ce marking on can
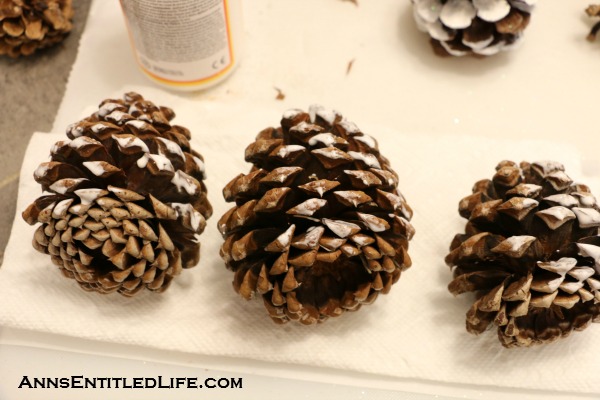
[(216, 64)]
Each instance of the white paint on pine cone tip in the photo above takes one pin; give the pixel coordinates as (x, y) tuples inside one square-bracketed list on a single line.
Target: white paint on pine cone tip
[(60, 209), (74, 129), (368, 140), (549, 166), (172, 147), (58, 145), (136, 123), (187, 210), (95, 167), (437, 31), (561, 267), (108, 108), (518, 242), (308, 207), (318, 110), (373, 223), (183, 181), (41, 170), (349, 126), (200, 165), (162, 162), (594, 284), (491, 10), (429, 10), (126, 141), (82, 141), (342, 229), (285, 238), (585, 199), (63, 185), (326, 138), (99, 127), (452, 51), (292, 113), (458, 14), (587, 217), (479, 45), (117, 115), (491, 50), (88, 196), (581, 273), (562, 199), (589, 250), (284, 151), (369, 159), (559, 212)]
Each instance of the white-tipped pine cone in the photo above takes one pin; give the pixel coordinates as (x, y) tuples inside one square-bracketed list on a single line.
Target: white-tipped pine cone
[(472, 27), (531, 254), (124, 202), (29, 25), (318, 227)]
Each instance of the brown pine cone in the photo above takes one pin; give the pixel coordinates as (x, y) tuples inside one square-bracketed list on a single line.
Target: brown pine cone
[(318, 227), (28, 25), (531, 254), (125, 203)]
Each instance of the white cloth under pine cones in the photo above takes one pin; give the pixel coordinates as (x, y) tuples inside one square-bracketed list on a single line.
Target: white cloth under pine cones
[(418, 322)]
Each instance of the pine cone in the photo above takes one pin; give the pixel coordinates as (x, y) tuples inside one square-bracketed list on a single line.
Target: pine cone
[(28, 25), (593, 11), (531, 253), (472, 27), (318, 227), (126, 200)]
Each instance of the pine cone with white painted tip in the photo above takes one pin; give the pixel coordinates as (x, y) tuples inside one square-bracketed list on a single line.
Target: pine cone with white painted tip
[(472, 27), (125, 200), (29, 25), (530, 253), (318, 227)]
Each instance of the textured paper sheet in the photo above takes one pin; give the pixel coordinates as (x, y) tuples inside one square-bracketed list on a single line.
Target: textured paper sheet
[(416, 331)]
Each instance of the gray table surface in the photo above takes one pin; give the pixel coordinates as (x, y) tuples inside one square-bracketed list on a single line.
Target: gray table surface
[(31, 89)]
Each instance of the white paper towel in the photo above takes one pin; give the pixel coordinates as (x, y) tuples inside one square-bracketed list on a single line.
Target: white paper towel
[(416, 331)]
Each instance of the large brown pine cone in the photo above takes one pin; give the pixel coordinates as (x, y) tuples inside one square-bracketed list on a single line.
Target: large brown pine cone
[(531, 253), (472, 27), (125, 203), (318, 227), (28, 25)]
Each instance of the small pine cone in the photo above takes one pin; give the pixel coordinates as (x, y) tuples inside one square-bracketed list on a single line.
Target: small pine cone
[(593, 11), (531, 254), (28, 25), (318, 227), (126, 200), (472, 27)]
